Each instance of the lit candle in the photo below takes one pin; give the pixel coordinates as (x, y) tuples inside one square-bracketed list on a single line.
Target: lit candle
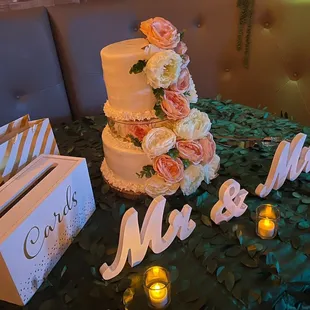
[(158, 295), (266, 228)]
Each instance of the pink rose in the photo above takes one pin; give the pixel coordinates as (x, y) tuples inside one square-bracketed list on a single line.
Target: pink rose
[(191, 150), (183, 83), (181, 48), (172, 170), (139, 131), (175, 105), (208, 146), (185, 61), (160, 32)]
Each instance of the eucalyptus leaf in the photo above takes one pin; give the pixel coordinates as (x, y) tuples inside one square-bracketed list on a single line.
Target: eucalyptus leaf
[(105, 188), (303, 225), (233, 251), (221, 273), (201, 199), (206, 220), (249, 262), (49, 304), (295, 242), (296, 195), (305, 200), (174, 273), (229, 281), (255, 296), (302, 208), (211, 265)]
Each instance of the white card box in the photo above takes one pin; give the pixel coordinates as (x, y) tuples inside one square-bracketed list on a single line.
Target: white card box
[(42, 209)]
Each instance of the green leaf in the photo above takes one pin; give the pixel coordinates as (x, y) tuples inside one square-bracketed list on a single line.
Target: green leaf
[(138, 67), (240, 236), (233, 251), (229, 281), (220, 274), (211, 265), (159, 94), (271, 260), (186, 163), (105, 188), (206, 220), (231, 128), (249, 262), (174, 153), (296, 195), (147, 171), (201, 199), (64, 269), (122, 209), (302, 208), (159, 112), (135, 141), (255, 296), (174, 273), (295, 242), (182, 33), (303, 225), (306, 200)]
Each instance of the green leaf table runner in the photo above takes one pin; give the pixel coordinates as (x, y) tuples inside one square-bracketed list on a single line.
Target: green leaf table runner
[(224, 266)]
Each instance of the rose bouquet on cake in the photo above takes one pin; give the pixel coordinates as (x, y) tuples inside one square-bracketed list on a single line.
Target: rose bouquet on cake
[(183, 155)]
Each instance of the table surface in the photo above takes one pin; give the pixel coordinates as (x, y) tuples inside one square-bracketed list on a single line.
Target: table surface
[(217, 267)]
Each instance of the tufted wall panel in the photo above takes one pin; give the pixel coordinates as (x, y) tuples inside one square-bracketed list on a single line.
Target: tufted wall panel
[(30, 76), (80, 32), (279, 70)]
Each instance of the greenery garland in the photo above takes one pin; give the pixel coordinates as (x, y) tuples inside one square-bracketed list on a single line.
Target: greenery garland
[(245, 19)]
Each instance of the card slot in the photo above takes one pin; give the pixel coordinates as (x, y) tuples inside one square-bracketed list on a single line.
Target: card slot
[(27, 189)]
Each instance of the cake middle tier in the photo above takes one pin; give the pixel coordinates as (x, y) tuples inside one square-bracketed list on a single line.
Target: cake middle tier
[(122, 162), (126, 92)]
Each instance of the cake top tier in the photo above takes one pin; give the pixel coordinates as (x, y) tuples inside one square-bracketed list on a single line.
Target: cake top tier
[(126, 48)]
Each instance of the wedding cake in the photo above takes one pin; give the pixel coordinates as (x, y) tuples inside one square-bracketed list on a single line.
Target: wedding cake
[(154, 143)]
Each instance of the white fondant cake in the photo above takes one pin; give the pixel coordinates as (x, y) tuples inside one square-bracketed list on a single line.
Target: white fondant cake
[(154, 143), (128, 94)]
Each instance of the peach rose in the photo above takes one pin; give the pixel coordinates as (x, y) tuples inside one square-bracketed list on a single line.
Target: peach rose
[(172, 170), (175, 105), (181, 48), (160, 32), (183, 83), (139, 131), (191, 150), (185, 61), (208, 146)]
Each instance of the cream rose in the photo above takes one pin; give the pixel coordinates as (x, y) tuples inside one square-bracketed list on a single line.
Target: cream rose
[(156, 186), (193, 127), (160, 32), (210, 170), (191, 95), (163, 69), (158, 141), (193, 176)]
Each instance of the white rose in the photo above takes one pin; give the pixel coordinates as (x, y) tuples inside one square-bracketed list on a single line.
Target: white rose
[(194, 126), (158, 141), (163, 69), (156, 186), (193, 176), (191, 94), (211, 169)]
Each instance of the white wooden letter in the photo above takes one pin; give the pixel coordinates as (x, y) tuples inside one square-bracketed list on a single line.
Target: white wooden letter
[(231, 199), (290, 159), (133, 244)]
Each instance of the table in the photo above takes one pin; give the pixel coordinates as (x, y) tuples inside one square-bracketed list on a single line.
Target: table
[(249, 281)]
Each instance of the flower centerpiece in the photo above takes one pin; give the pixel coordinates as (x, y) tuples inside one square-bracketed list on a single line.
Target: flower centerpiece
[(183, 155)]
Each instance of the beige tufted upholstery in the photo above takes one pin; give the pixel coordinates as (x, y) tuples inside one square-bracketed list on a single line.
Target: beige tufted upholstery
[(279, 72)]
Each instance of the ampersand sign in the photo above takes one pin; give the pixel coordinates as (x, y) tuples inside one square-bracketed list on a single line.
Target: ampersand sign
[(231, 202)]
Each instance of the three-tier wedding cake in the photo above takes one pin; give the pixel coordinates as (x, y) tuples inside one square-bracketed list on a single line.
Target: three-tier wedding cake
[(154, 143)]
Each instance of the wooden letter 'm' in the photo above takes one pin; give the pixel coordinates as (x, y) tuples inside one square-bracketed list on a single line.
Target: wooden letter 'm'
[(133, 244)]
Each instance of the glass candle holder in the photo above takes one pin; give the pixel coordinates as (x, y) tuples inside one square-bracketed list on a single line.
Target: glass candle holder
[(267, 221), (157, 285)]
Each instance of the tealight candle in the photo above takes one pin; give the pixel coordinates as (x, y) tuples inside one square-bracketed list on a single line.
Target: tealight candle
[(156, 284), (267, 217), (158, 295), (266, 228)]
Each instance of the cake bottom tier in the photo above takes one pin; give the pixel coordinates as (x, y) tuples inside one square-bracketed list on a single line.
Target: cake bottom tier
[(122, 162)]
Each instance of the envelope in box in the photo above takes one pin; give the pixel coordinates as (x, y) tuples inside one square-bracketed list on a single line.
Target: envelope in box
[(42, 208), (21, 141)]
